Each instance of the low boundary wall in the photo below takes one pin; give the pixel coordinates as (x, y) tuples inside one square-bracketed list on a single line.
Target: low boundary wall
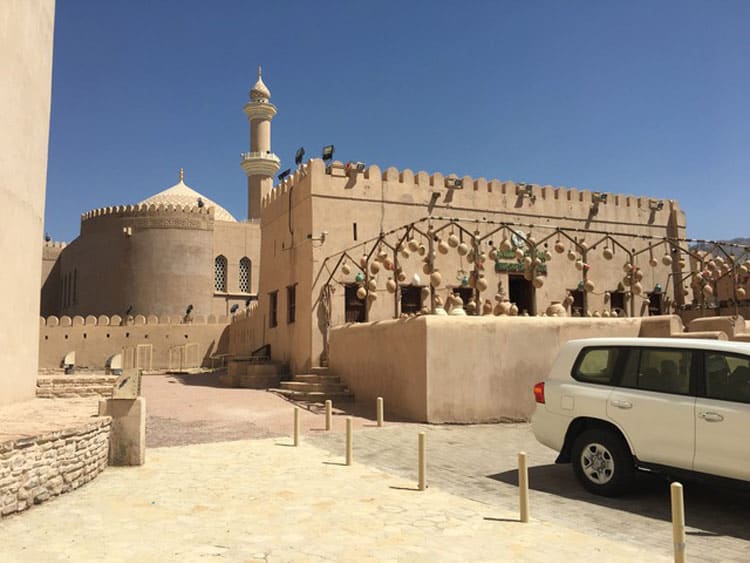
[(71, 386), (458, 369), (35, 469)]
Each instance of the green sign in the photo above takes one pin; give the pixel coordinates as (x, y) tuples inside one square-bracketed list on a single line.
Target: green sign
[(516, 267)]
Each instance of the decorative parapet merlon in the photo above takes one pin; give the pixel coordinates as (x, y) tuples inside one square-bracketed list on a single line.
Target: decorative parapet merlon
[(132, 320), (259, 163), (144, 210)]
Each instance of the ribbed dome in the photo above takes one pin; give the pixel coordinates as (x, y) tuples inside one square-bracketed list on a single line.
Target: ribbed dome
[(182, 195), (260, 91)]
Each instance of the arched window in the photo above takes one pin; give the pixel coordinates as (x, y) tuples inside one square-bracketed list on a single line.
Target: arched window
[(245, 275), (220, 273)]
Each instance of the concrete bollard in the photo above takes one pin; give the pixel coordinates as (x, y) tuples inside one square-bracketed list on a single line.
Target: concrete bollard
[(678, 522), (296, 426), (422, 463), (380, 411), (348, 440), (523, 486), (329, 413)]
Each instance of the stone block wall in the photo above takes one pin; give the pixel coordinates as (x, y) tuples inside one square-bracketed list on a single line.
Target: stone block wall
[(66, 386), (35, 469)]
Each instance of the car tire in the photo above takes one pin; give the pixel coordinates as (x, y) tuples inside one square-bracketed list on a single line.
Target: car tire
[(602, 462)]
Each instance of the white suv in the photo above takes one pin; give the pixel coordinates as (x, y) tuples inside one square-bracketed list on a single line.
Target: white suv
[(614, 405)]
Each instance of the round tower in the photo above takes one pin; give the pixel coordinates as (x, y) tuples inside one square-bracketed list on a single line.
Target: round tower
[(260, 164)]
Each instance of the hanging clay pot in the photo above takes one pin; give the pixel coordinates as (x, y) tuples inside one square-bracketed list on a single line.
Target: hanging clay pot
[(361, 293), (388, 264), (425, 293), (426, 268), (518, 253), (505, 245), (436, 279), (559, 247), (482, 284), (652, 262), (513, 310), (605, 313), (596, 314), (637, 288), (607, 253), (493, 254), (742, 269), (682, 264), (470, 257), (568, 301), (401, 276), (547, 256), (589, 286), (412, 244), (422, 250), (666, 260), (471, 307), (345, 269), (390, 285), (443, 247), (527, 262), (462, 249), (453, 240), (708, 291), (499, 297), (556, 309), (363, 261), (572, 255), (710, 265), (583, 246), (372, 296), (359, 278), (538, 281), (487, 307), (741, 293), (382, 255), (638, 275), (579, 264), (372, 285), (405, 253), (374, 267)]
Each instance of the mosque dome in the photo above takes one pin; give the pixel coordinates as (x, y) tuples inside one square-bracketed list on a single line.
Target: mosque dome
[(182, 195), (260, 91)]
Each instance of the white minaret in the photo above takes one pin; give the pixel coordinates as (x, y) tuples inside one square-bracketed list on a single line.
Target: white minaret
[(260, 164)]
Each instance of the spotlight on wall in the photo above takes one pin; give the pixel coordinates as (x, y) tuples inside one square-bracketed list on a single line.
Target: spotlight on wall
[(234, 308), (189, 309), (353, 166), (284, 174), (526, 190), (328, 153), (128, 310), (321, 238), (454, 183), (127, 231), (299, 155), (599, 197), (656, 205), (201, 203), (247, 301)]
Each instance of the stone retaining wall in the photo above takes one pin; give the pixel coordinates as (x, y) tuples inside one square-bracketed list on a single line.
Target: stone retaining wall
[(34, 469), (67, 387)]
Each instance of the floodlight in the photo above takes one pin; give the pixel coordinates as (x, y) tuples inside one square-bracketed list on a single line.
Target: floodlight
[(299, 155), (189, 309), (284, 174), (129, 310), (599, 197), (655, 205), (47, 238), (353, 166), (201, 203), (454, 183), (328, 151), (234, 308)]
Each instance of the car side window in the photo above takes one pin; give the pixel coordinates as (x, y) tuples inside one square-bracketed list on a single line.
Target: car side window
[(666, 370), (597, 365), (727, 377)]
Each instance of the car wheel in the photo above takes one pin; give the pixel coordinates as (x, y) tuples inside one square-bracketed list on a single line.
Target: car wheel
[(602, 462)]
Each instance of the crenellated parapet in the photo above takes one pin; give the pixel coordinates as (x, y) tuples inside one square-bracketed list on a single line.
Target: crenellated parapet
[(150, 216), (134, 320), (55, 244), (466, 190), (146, 211)]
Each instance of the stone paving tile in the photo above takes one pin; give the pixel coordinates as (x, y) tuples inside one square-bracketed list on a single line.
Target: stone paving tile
[(479, 462), (263, 500)]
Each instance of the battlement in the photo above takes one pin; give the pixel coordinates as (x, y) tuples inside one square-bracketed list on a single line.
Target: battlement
[(136, 320), (146, 211), (464, 188), (55, 244)]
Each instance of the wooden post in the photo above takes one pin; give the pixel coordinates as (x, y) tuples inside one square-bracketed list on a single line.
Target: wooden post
[(678, 522), (329, 406), (422, 463), (348, 440), (296, 426), (380, 411), (523, 486)]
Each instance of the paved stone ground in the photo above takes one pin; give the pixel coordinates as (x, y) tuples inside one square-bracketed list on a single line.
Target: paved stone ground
[(260, 500)]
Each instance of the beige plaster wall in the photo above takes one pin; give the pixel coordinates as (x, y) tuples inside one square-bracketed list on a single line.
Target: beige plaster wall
[(26, 31), (93, 340), (236, 241), (458, 369), (379, 201)]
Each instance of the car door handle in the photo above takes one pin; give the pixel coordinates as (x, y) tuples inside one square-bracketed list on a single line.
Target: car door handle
[(621, 404), (711, 416)]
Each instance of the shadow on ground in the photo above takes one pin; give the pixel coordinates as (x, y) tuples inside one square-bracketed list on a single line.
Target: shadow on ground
[(713, 509), (210, 379)]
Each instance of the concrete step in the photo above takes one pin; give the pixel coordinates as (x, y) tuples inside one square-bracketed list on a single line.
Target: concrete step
[(249, 381), (320, 370), (311, 378), (242, 367), (304, 386), (314, 396)]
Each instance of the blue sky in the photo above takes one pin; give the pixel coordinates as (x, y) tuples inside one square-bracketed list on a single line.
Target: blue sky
[(638, 97)]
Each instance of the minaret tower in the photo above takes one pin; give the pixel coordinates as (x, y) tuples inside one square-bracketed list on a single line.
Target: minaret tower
[(260, 164)]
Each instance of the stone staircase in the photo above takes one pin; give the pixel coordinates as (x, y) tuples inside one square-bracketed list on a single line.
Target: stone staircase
[(254, 372), (316, 387)]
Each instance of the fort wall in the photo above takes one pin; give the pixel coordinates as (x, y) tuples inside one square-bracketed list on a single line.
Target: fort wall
[(154, 343)]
